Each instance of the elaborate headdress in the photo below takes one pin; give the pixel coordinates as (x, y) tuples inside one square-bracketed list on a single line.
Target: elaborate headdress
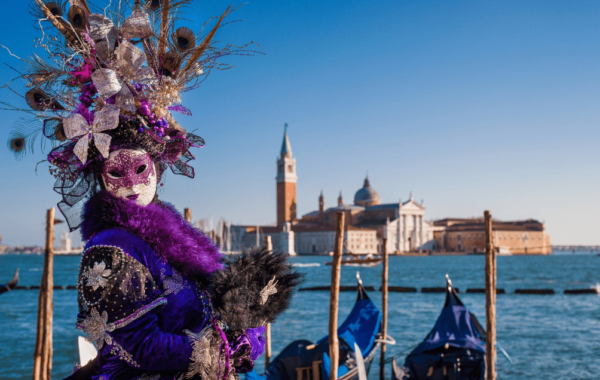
[(114, 76)]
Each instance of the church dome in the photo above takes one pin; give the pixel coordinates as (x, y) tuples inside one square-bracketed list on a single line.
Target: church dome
[(367, 196)]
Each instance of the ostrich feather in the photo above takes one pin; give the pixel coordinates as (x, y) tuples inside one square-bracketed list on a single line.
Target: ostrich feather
[(249, 279)]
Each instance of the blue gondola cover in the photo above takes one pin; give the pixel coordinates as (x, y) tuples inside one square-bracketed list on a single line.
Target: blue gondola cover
[(361, 327), (454, 349)]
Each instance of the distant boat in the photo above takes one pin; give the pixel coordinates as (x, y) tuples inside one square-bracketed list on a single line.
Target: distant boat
[(12, 284), (453, 349), (306, 264), (368, 262), (358, 339)]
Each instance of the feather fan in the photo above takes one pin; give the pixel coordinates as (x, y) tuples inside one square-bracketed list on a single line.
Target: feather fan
[(254, 289)]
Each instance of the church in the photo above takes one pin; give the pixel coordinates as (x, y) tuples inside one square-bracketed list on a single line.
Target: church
[(368, 221)]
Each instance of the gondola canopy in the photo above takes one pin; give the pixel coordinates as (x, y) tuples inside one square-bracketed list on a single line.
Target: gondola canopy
[(454, 349)]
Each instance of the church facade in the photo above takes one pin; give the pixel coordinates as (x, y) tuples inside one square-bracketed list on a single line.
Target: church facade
[(369, 223)]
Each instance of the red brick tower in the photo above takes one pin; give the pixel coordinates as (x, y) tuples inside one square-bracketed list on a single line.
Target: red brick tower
[(286, 183)]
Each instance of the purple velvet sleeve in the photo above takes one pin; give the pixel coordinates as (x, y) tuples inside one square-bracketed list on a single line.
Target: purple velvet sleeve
[(257, 340), (151, 348)]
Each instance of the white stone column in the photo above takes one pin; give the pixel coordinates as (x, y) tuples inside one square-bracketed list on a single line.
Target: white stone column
[(286, 239), (399, 228), (421, 226)]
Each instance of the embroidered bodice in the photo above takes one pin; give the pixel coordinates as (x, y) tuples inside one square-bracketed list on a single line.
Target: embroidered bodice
[(136, 307)]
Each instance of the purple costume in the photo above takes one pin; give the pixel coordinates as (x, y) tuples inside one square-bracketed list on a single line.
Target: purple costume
[(143, 295)]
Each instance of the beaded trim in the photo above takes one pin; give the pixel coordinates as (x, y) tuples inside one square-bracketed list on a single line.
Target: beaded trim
[(101, 335), (139, 313), (80, 284), (134, 316), (149, 376), (173, 284), (117, 349)]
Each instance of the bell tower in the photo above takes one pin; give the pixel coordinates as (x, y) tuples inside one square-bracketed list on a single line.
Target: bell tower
[(286, 183), (321, 203)]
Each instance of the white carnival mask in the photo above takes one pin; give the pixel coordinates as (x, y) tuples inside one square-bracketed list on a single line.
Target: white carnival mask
[(130, 174)]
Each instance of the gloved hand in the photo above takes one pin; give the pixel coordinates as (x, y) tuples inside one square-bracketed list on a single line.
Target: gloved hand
[(257, 340), (246, 348)]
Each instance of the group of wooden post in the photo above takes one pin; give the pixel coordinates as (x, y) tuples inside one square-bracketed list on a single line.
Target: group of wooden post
[(42, 358), (334, 352), (490, 285)]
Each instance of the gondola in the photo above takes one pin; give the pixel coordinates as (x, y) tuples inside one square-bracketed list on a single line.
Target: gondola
[(453, 350), (368, 262), (303, 360), (12, 284)]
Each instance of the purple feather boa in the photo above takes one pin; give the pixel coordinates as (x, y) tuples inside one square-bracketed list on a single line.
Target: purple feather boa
[(160, 226)]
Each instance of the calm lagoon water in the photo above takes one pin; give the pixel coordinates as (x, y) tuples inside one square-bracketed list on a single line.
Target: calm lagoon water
[(548, 337)]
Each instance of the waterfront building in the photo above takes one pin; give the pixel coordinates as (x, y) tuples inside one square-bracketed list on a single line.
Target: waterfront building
[(65, 247), (509, 237), (368, 221)]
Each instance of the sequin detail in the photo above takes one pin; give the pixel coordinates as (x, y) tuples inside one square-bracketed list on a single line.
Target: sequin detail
[(95, 328), (268, 290), (96, 275), (200, 360), (117, 349), (140, 313), (127, 169), (173, 284), (149, 376), (129, 288)]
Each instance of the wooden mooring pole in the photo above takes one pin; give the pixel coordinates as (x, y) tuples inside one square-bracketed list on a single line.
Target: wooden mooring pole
[(334, 298), (42, 356), (384, 308), (187, 214), (269, 246), (490, 299)]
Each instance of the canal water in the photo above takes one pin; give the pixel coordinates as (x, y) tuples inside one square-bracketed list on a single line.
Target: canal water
[(547, 336)]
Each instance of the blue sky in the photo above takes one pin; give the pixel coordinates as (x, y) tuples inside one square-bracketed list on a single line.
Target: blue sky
[(470, 105)]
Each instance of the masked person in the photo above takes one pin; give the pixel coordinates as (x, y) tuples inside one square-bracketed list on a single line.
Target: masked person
[(155, 296)]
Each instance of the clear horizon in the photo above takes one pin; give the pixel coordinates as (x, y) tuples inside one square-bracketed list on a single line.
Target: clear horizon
[(470, 105)]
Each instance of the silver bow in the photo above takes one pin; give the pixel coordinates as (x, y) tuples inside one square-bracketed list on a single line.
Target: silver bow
[(137, 25), (100, 26), (126, 100), (145, 75), (129, 59), (103, 32), (77, 126), (106, 82)]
